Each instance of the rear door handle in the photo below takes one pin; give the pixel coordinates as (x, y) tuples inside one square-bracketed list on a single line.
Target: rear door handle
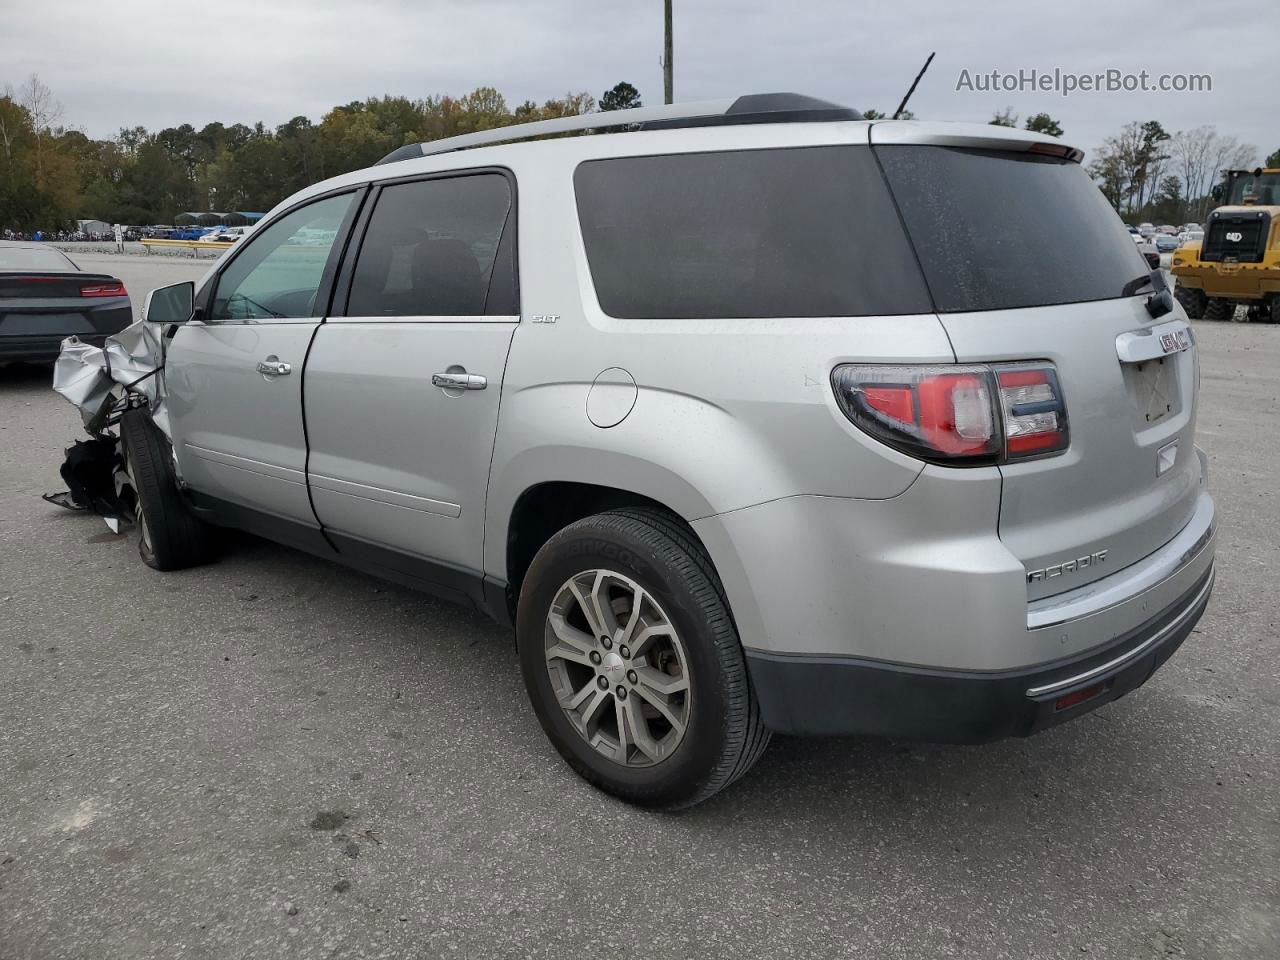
[(273, 366), (459, 381)]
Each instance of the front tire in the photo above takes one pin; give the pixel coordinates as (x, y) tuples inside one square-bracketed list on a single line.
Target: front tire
[(170, 537), (632, 661), (1218, 309), (1193, 301)]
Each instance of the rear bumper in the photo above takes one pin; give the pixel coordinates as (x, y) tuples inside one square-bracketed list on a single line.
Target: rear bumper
[(824, 695), (905, 618), (41, 348)]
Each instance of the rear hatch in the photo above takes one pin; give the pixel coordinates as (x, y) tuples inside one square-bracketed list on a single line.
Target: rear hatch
[(1025, 260)]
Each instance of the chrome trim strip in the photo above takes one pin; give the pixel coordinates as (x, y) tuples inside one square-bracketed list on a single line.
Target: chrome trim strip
[(272, 470), (1139, 346), (1125, 584), (485, 318), (1133, 654), (394, 498), (587, 121)]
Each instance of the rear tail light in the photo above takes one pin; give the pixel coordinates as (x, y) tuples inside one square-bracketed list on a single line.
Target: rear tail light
[(957, 415), (113, 288), (1035, 418)]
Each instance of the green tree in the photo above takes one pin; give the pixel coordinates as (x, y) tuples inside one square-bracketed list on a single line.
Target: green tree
[(1004, 118), (1043, 123), (622, 96), (1274, 159)]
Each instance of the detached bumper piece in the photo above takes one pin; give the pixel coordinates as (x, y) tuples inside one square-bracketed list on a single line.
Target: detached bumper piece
[(840, 696)]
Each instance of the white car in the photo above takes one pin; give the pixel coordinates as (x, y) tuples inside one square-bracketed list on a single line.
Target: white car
[(227, 234)]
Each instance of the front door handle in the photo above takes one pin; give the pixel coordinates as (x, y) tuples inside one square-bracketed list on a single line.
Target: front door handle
[(273, 366), (459, 381)]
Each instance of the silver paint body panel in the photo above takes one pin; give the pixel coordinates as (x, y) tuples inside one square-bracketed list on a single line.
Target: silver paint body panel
[(827, 542)]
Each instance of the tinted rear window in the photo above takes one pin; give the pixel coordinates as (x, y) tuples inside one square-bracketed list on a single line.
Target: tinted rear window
[(800, 232), (995, 230), (432, 249), (33, 258)]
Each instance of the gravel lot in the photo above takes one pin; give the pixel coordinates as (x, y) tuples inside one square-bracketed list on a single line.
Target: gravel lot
[(273, 756)]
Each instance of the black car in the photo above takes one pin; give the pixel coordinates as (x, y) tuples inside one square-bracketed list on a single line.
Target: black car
[(1150, 253), (45, 297)]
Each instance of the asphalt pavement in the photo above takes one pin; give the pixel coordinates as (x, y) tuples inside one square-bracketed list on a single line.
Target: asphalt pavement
[(273, 756)]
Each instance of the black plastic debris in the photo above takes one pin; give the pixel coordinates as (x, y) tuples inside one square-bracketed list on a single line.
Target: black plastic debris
[(89, 470)]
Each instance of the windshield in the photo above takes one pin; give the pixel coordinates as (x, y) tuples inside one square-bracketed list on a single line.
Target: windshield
[(1262, 190), (980, 221)]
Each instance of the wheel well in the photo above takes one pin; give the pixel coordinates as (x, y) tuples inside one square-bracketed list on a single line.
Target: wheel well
[(543, 511)]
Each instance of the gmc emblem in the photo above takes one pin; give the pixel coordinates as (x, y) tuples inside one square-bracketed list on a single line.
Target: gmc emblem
[(1067, 566)]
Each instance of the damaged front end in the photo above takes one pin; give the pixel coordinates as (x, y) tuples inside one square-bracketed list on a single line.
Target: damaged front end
[(127, 372)]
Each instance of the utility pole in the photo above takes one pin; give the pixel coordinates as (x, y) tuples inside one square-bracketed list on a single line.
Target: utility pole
[(667, 87)]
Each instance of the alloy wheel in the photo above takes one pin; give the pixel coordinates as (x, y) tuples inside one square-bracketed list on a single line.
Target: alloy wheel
[(618, 668)]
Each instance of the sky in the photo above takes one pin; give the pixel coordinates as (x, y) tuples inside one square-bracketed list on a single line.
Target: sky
[(156, 64)]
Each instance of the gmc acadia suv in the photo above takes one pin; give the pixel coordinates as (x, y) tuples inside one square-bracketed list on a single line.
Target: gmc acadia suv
[(749, 416)]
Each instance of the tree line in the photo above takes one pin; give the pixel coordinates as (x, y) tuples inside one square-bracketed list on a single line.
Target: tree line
[(1151, 174), (52, 174)]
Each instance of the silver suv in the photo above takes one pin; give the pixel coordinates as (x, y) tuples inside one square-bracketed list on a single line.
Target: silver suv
[(749, 416)]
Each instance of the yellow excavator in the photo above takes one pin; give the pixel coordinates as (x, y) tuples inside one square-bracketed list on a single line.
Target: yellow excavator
[(1237, 261)]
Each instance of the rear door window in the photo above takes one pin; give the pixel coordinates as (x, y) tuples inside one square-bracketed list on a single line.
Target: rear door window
[(995, 229), (795, 232), (435, 248)]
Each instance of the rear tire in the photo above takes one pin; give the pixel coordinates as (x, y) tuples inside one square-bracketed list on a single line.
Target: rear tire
[(1193, 301), (1271, 310), (1219, 310), (170, 537), (668, 723)]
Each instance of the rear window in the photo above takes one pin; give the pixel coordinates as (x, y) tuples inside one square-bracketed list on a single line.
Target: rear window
[(33, 258), (995, 230), (799, 232)]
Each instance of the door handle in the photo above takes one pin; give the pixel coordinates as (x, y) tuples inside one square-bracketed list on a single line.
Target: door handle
[(459, 381), (273, 366)]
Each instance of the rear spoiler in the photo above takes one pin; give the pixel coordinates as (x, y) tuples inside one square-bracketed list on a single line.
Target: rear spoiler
[(971, 135)]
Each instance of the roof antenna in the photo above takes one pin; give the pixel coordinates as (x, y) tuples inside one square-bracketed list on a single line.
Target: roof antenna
[(903, 105)]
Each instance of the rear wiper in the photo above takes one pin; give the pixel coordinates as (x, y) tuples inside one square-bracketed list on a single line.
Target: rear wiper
[(1161, 300), (1136, 284)]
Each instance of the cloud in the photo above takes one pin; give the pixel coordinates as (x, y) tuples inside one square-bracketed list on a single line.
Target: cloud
[(160, 63)]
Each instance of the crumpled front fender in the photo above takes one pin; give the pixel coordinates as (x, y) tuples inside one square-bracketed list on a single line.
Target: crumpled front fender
[(92, 378)]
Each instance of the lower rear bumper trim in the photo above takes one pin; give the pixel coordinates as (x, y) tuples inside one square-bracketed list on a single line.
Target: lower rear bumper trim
[(1192, 609), (835, 696)]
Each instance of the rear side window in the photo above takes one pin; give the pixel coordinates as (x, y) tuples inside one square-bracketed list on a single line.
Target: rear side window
[(995, 230), (798, 232), (433, 249)]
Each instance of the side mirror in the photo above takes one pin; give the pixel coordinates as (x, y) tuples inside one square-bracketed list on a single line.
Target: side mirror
[(1216, 193), (172, 304)]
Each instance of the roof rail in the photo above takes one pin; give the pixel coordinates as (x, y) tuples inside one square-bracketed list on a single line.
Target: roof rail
[(753, 108)]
